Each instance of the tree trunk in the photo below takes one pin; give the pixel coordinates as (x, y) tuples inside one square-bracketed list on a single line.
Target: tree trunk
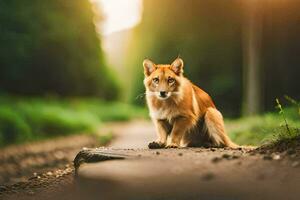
[(252, 69)]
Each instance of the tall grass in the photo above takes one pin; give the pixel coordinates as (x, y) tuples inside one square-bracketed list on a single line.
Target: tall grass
[(27, 119), (287, 132)]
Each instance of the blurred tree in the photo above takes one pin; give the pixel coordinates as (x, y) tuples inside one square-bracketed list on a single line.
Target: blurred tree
[(271, 67), (51, 47), (252, 66), (280, 50)]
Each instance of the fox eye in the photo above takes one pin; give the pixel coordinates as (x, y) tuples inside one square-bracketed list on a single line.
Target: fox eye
[(171, 80), (155, 80)]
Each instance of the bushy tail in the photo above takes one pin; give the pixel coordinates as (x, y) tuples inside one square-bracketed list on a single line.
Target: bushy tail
[(216, 130)]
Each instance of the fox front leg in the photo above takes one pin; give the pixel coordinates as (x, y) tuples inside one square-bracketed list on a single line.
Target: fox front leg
[(181, 126), (162, 134)]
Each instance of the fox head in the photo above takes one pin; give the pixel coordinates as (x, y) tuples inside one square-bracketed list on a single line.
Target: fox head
[(163, 81)]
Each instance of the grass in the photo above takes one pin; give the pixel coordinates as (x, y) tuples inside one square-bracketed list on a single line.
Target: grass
[(27, 119), (266, 128)]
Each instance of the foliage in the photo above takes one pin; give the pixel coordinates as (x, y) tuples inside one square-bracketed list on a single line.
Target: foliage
[(26, 119), (257, 130), (51, 47), (13, 128)]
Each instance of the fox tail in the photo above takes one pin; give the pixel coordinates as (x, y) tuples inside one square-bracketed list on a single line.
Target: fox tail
[(216, 130)]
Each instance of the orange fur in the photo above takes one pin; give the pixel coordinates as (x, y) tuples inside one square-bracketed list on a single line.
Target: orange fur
[(180, 110)]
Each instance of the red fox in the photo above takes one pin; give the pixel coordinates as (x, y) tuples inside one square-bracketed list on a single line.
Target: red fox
[(183, 114)]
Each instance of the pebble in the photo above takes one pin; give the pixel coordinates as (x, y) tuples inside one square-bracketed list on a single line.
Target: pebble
[(157, 153), (49, 173), (276, 157), (69, 170), (180, 154)]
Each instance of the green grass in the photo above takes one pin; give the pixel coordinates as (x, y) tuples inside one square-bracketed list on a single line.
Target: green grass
[(27, 119), (262, 129)]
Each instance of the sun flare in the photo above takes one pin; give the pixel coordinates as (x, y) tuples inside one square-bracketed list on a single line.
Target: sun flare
[(118, 14)]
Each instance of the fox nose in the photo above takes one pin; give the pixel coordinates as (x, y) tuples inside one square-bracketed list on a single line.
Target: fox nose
[(163, 93)]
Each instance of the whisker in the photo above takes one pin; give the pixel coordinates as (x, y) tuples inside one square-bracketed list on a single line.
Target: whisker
[(140, 96)]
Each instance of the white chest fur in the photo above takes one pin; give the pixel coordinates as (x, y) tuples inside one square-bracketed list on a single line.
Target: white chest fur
[(163, 113)]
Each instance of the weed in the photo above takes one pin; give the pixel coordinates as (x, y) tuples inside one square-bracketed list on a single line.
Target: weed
[(281, 112)]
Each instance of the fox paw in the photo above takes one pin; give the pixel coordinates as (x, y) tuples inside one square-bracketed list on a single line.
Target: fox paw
[(172, 145), (156, 145)]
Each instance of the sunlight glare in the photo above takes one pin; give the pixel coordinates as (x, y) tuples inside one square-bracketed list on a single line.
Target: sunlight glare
[(119, 14)]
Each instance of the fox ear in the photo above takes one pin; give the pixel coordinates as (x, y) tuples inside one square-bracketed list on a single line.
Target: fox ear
[(177, 66), (149, 67)]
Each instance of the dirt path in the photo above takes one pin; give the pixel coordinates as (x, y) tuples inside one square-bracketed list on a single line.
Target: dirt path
[(134, 134), (27, 170), (20, 162), (192, 173), (167, 173)]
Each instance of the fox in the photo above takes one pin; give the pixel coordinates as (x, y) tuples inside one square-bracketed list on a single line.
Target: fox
[(183, 114)]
